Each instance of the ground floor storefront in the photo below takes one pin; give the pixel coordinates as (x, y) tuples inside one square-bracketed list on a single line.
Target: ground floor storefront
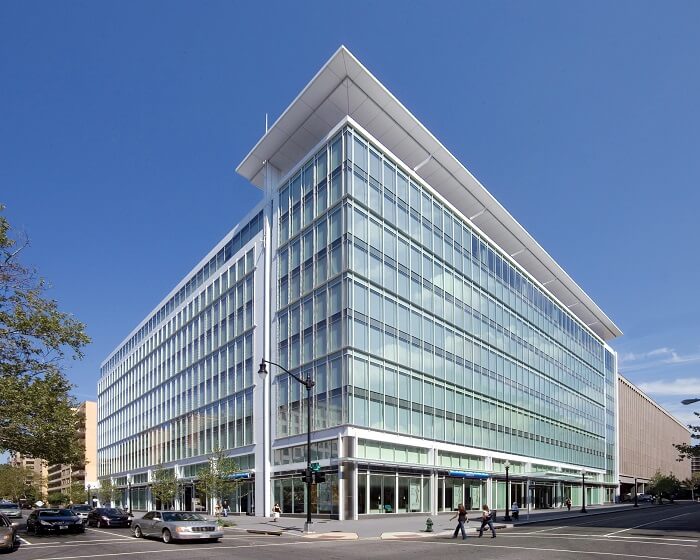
[(367, 474)]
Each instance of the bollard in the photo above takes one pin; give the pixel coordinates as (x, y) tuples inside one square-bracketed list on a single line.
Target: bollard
[(429, 525)]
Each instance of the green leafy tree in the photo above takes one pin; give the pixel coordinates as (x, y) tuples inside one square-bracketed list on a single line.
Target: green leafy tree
[(57, 499), (693, 484), (164, 486), (216, 478), (690, 450), (35, 338), (13, 481), (664, 486), (106, 492), (76, 493)]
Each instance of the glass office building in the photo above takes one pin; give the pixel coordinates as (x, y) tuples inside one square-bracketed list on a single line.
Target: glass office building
[(446, 345)]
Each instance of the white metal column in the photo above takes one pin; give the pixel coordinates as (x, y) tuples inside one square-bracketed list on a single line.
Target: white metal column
[(262, 392)]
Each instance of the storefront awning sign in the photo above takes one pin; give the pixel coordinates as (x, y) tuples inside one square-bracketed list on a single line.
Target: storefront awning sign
[(468, 474)]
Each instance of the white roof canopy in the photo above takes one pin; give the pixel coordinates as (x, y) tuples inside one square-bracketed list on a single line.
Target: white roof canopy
[(343, 87)]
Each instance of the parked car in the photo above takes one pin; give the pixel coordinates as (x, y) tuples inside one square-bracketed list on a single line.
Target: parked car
[(8, 533), (54, 519), (108, 517), (12, 511), (81, 510), (645, 498), (176, 525)]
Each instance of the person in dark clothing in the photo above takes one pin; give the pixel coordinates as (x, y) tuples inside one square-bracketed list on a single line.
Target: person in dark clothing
[(486, 519), (461, 516)]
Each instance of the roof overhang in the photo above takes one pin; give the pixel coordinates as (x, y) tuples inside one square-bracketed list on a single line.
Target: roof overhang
[(344, 87)]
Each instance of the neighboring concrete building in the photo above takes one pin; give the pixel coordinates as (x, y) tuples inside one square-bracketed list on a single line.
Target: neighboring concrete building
[(60, 477), (647, 433), (38, 468), (444, 342)]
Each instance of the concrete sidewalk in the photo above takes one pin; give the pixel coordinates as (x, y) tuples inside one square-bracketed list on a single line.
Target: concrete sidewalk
[(391, 526)]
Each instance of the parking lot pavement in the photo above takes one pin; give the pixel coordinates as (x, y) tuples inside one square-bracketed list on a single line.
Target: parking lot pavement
[(664, 533)]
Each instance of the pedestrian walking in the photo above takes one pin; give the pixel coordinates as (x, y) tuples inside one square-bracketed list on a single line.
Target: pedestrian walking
[(461, 516), (276, 512), (515, 508), (567, 503), (487, 519)]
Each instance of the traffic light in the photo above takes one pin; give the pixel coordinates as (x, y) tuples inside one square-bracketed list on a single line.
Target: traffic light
[(318, 477)]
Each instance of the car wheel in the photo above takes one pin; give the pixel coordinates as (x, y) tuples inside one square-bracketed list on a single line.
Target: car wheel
[(137, 532), (167, 536)]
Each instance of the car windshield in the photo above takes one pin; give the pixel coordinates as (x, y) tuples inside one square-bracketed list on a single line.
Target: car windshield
[(182, 516), (81, 508), (56, 513), (9, 506), (112, 511)]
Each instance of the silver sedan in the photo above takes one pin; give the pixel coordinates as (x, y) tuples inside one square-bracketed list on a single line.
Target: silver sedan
[(180, 525)]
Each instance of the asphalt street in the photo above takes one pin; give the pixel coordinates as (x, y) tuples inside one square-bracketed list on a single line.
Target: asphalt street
[(663, 533)]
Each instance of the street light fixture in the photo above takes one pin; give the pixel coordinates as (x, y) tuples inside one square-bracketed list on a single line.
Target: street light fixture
[(583, 491), (690, 401), (507, 517), (309, 384)]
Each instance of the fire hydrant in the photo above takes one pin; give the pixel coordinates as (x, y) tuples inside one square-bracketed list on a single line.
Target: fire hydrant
[(429, 525)]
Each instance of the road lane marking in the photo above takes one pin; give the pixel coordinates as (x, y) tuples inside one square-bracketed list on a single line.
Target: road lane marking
[(650, 523), (560, 550), (122, 535), (602, 538), (549, 529), (104, 541), (596, 535), (173, 550)]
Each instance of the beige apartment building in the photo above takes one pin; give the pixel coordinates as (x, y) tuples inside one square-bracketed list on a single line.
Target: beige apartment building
[(61, 476), (38, 468), (646, 434)]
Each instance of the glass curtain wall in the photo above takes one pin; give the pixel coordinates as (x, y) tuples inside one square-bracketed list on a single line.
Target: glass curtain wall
[(450, 341), (187, 389), (311, 292)]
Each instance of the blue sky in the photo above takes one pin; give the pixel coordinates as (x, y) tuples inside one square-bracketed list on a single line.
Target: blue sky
[(121, 124)]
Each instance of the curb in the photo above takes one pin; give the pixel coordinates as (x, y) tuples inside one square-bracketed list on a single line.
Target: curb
[(333, 536), (398, 535), (264, 532)]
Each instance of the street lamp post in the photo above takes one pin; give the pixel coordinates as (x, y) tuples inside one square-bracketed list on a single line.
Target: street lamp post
[(309, 384), (89, 497), (636, 504), (507, 517), (128, 485), (583, 491)]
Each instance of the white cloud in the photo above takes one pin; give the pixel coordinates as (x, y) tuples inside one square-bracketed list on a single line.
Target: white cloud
[(684, 414), (654, 359), (685, 387)]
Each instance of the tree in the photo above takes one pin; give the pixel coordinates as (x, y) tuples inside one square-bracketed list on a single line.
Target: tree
[(13, 481), (35, 339), (76, 493), (164, 486), (688, 450), (664, 486), (106, 492), (693, 484), (57, 499), (216, 478)]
